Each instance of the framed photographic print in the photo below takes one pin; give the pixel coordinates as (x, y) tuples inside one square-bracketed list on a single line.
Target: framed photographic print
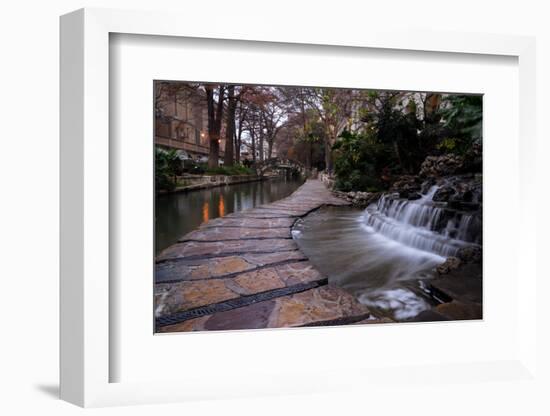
[(303, 212), (281, 206)]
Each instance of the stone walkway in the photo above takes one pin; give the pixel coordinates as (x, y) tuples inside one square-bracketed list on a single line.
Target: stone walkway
[(244, 271)]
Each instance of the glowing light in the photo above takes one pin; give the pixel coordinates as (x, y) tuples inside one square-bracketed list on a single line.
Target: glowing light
[(221, 206), (205, 212)]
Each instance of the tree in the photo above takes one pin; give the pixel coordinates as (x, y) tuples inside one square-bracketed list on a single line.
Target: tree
[(359, 162), (241, 112), (301, 138), (230, 126), (272, 116), (333, 107), (252, 130), (214, 102), (298, 138)]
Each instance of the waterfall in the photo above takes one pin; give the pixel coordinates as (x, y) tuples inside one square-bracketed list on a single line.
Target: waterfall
[(423, 224)]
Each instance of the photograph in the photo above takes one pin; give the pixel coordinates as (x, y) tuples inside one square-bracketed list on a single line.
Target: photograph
[(305, 206)]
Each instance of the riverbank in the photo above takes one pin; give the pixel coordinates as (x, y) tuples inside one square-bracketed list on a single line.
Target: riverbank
[(196, 182), (244, 271)]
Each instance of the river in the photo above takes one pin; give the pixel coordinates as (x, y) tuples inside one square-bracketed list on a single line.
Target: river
[(176, 214)]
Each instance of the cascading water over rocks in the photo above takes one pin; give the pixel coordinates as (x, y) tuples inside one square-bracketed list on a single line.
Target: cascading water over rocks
[(423, 223)]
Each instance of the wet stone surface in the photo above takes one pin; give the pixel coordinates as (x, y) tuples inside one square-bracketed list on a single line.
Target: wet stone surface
[(310, 307), (221, 248), (208, 268), (224, 234), (249, 222), (250, 255)]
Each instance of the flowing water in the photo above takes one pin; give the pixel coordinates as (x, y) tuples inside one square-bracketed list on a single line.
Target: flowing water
[(176, 214), (383, 253)]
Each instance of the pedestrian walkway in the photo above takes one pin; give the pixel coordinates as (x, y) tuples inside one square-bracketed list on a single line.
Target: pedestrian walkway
[(244, 271)]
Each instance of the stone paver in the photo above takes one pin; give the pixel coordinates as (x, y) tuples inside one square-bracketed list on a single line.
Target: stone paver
[(323, 305), (244, 271), (248, 222), (327, 303), (220, 248), (223, 234), (208, 268)]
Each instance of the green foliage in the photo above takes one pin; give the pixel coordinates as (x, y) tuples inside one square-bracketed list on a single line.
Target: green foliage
[(399, 130), (448, 145), (310, 143), (395, 141), (358, 162), (230, 170), (462, 124), (167, 167), (195, 168), (463, 115)]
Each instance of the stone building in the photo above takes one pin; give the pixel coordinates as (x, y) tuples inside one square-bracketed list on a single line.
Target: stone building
[(181, 120)]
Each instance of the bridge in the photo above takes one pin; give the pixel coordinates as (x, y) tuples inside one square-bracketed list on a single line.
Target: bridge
[(276, 163)]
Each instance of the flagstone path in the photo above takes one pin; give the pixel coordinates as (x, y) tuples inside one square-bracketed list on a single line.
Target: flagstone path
[(244, 271)]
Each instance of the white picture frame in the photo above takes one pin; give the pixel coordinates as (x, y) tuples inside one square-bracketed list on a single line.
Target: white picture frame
[(85, 217)]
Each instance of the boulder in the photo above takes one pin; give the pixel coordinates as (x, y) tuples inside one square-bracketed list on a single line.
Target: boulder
[(460, 191), (363, 199), (451, 263), (464, 206), (426, 185), (406, 183), (470, 254), (444, 194), (473, 161), (439, 166), (411, 196)]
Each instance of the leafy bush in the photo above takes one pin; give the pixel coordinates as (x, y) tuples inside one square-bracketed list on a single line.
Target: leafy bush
[(167, 168), (195, 168), (230, 170), (448, 145), (463, 116), (359, 162)]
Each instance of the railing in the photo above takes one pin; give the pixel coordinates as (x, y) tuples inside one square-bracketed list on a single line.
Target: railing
[(184, 145), (276, 162)]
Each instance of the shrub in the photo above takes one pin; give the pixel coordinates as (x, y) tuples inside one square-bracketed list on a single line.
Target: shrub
[(196, 168), (359, 162), (167, 168), (230, 170)]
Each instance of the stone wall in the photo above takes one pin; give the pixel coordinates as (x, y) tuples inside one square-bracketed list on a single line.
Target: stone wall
[(192, 182)]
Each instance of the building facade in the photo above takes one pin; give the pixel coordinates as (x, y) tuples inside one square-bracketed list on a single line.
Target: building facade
[(181, 120)]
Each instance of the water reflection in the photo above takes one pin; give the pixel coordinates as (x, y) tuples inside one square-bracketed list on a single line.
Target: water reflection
[(205, 212), (179, 213)]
